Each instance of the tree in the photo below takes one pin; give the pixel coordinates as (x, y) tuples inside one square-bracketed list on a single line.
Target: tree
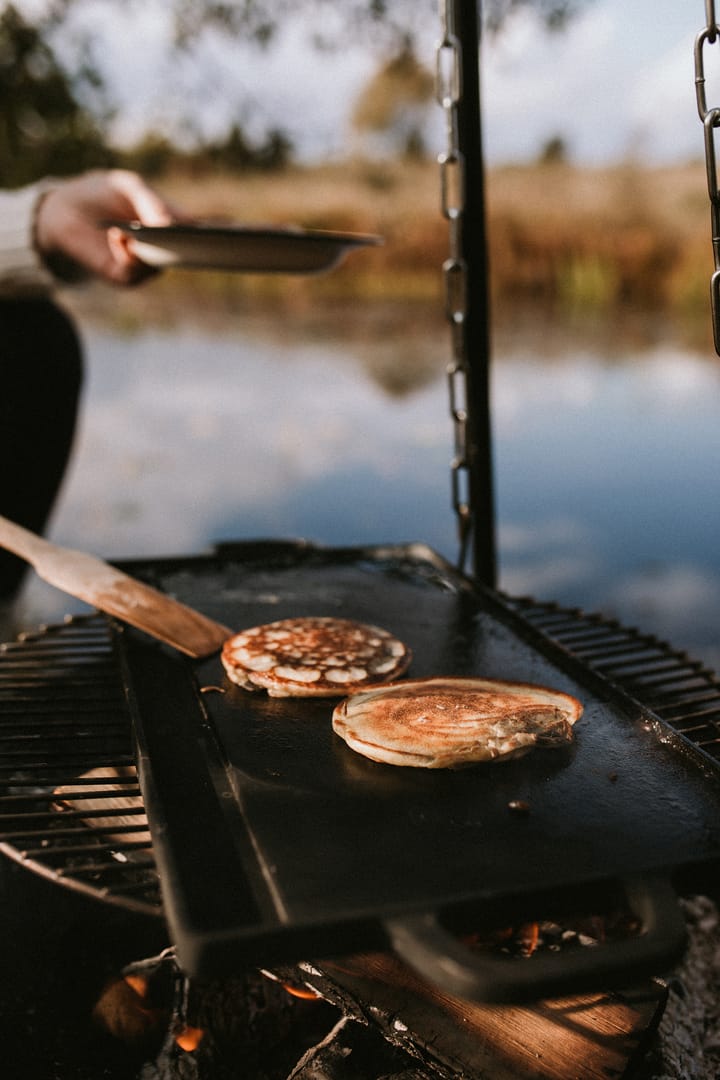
[(396, 19), (53, 113), (395, 101), (43, 128), (554, 151), (238, 153)]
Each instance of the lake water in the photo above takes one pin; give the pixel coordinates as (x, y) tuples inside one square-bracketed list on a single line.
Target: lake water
[(606, 447)]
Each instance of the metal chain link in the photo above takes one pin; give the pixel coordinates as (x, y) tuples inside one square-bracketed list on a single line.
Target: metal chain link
[(710, 117), (449, 95)]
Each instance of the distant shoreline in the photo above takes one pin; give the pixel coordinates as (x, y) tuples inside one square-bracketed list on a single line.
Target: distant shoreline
[(588, 240)]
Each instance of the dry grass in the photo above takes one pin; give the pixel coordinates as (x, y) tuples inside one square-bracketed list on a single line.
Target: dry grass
[(401, 203), (586, 238), (601, 237)]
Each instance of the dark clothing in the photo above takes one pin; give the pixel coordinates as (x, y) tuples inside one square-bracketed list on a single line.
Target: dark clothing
[(40, 380)]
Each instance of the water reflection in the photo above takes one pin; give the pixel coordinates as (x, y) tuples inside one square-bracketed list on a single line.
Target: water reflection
[(606, 459), (608, 485)]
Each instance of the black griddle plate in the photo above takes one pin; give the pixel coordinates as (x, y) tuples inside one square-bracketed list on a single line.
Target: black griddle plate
[(275, 841)]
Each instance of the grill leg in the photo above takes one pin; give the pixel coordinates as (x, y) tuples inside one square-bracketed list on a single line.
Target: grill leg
[(40, 381)]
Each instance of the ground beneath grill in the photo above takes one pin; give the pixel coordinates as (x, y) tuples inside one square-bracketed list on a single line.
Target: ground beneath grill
[(688, 1045), (58, 950)]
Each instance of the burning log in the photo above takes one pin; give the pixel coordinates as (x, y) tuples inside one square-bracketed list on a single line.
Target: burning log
[(125, 1010), (246, 1025), (352, 1050), (367, 1017), (449, 1037)]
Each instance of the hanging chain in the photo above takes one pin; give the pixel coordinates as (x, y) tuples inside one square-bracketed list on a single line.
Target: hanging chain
[(449, 95), (710, 118)]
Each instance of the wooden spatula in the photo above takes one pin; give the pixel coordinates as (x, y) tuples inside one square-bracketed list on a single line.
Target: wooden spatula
[(103, 586)]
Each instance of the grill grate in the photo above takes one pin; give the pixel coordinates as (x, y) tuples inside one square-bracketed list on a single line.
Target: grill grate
[(70, 804), (677, 689)]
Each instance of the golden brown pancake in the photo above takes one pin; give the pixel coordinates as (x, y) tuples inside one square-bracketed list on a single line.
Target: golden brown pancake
[(313, 656), (442, 723)]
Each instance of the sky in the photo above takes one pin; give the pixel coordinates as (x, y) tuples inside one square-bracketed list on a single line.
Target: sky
[(618, 84)]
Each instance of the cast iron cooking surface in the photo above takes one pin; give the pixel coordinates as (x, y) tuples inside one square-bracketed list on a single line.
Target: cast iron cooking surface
[(274, 838)]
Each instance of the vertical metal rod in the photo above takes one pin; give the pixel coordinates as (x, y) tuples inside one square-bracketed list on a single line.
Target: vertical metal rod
[(467, 23)]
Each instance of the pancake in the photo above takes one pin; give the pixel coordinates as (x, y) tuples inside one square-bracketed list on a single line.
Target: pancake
[(446, 723), (313, 656), (108, 792)]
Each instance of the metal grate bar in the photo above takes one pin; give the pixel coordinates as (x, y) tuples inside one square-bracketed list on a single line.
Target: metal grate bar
[(78, 831), (593, 635), (606, 650), (66, 740), (689, 701), (64, 851), (681, 691), (69, 766), (647, 669), (107, 866)]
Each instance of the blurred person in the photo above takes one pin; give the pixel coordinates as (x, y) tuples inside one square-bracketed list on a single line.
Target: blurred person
[(52, 232)]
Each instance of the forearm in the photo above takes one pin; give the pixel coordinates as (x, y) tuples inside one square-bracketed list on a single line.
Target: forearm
[(22, 270)]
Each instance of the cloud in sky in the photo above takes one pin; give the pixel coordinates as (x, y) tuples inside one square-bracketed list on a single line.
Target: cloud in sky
[(618, 83), (223, 80)]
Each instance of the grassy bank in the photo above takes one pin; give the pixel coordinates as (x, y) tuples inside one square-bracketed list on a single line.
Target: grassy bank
[(598, 238), (586, 239)]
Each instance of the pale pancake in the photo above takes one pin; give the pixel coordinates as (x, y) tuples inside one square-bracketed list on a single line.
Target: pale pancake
[(313, 656), (108, 792), (443, 723)]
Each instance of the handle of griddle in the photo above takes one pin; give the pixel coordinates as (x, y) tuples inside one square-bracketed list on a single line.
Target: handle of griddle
[(437, 955)]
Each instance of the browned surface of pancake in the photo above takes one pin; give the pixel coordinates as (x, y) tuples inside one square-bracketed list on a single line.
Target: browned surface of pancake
[(313, 656), (449, 722)]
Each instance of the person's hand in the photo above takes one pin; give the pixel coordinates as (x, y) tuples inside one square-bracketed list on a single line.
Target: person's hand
[(71, 225)]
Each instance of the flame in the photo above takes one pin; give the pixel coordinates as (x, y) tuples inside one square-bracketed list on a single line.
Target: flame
[(138, 983), (303, 992), (528, 936), (140, 986), (189, 1038)]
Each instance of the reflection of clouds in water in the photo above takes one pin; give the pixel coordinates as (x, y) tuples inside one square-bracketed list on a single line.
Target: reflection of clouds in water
[(544, 577), (681, 603), (686, 379), (400, 367), (523, 390), (517, 538), (177, 431), (676, 597), (573, 385), (606, 471), (557, 559), (544, 558)]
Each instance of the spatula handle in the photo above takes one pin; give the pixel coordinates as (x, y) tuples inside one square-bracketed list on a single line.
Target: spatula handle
[(20, 541), (110, 589)]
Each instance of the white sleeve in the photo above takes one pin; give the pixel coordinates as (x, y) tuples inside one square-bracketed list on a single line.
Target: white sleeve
[(22, 271)]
